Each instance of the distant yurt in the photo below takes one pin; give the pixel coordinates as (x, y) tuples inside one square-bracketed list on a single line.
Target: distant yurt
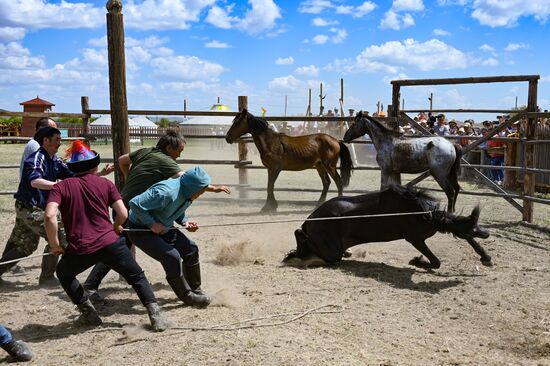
[(208, 125), (140, 121)]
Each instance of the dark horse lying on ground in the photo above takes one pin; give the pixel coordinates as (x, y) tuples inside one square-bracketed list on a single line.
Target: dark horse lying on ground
[(324, 241), (281, 152)]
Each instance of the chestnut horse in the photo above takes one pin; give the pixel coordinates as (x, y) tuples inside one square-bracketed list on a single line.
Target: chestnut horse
[(281, 152), (396, 154)]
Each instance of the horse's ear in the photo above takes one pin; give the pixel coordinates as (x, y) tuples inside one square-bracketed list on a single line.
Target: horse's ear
[(359, 114)]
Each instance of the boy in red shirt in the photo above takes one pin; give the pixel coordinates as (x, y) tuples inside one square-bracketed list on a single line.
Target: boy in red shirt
[(495, 150), (84, 202)]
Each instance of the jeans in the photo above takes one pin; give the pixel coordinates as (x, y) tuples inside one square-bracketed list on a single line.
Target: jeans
[(497, 174), (169, 249), (5, 336), (118, 257)]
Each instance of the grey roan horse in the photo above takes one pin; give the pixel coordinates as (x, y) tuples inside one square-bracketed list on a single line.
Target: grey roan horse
[(281, 152), (396, 154), (324, 241)]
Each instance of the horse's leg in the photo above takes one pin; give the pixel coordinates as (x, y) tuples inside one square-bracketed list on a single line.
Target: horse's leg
[(384, 179), (394, 178), (271, 202), (326, 182), (431, 263), (336, 178), (448, 188), (485, 257)]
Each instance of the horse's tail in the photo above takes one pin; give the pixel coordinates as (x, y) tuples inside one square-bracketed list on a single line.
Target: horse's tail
[(346, 164), (456, 165)]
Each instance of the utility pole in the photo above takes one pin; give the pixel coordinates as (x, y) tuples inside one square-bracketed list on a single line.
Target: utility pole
[(321, 97), (516, 102), (285, 103), (431, 99)]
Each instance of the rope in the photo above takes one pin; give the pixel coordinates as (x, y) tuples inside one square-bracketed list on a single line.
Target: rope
[(25, 258), (245, 324), (299, 220)]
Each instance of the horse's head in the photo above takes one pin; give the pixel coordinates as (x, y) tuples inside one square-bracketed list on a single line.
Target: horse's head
[(357, 128), (238, 127), (467, 226)]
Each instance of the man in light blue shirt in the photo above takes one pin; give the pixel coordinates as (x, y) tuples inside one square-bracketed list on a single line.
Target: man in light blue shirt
[(33, 146), (155, 210), (440, 128)]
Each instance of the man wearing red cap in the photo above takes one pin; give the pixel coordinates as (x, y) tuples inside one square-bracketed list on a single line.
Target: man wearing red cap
[(84, 202)]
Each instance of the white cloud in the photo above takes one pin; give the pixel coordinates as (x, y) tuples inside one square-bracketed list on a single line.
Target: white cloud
[(289, 83), (162, 14), (339, 36), (14, 56), (320, 39), (395, 21), (219, 17), (400, 76), (310, 70), (314, 6), (260, 17), (491, 61), (216, 44), (485, 47), (38, 14), (506, 13), (441, 32), (394, 57), (452, 2), (363, 9), (407, 5), (320, 22), (11, 34), (319, 6), (285, 60), (148, 42), (186, 68), (515, 46)]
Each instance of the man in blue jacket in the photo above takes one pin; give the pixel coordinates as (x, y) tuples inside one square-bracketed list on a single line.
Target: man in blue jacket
[(156, 210)]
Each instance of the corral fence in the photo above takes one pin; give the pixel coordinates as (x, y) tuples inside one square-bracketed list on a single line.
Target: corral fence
[(520, 165)]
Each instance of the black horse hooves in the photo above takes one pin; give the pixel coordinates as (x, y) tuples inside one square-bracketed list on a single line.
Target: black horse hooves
[(422, 262), (487, 262)]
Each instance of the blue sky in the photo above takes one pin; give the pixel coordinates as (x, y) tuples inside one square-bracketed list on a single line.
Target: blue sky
[(268, 49)]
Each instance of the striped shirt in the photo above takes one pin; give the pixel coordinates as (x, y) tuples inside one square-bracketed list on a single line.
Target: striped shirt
[(40, 165)]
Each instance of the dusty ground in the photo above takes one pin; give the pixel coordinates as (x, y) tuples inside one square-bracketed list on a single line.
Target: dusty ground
[(382, 311)]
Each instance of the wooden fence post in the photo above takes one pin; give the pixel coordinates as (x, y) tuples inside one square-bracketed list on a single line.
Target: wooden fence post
[(395, 102), (85, 107), (243, 154), (117, 86), (529, 157)]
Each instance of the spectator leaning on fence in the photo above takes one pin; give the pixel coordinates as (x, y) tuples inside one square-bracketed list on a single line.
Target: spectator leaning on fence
[(440, 128)]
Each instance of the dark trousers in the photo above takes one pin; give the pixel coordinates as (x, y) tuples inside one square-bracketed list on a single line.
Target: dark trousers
[(497, 174), (118, 257), (169, 249)]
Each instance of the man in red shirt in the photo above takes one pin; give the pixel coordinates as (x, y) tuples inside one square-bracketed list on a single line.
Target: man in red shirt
[(84, 202), (495, 150)]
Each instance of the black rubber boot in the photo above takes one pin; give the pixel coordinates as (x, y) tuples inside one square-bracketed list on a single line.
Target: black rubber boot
[(183, 291), (158, 322), (193, 276), (18, 350), (49, 262), (88, 314)]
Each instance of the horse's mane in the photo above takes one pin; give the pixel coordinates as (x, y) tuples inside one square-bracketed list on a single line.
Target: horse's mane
[(379, 124), (256, 121), (419, 196)]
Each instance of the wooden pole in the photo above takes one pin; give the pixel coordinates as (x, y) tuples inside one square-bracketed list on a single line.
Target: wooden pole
[(529, 157), (286, 102), (431, 99), (117, 85), (85, 107), (395, 102), (185, 106), (321, 97), (309, 104), (243, 153)]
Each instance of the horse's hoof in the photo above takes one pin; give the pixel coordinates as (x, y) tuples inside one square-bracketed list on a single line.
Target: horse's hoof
[(421, 262), (487, 262), (347, 253), (268, 209)]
